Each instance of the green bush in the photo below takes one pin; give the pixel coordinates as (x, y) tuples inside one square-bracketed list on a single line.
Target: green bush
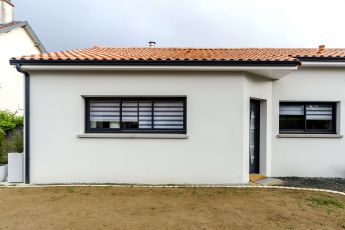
[(3, 158), (10, 121), (14, 141), (11, 134)]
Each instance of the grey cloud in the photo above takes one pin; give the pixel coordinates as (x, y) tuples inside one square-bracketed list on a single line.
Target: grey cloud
[(70, 24)]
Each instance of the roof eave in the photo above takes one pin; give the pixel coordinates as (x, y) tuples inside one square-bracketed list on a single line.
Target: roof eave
[(321, 59), (14, 26), (156, 62), (34, 37), (268, 71)]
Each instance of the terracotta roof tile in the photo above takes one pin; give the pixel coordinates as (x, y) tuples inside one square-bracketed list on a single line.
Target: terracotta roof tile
[(189, 54)]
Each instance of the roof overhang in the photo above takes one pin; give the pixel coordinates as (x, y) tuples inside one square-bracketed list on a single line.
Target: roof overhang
[(29, 30), (271, 72)]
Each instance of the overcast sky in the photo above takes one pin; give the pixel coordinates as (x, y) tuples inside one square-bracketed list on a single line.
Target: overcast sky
[(70, 24)]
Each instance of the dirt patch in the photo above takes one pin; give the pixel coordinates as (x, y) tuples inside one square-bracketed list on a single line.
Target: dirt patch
[(336, 184), (168, 208)]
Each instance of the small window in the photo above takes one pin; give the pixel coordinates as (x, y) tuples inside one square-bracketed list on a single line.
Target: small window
[(307, 117), (150, 115)]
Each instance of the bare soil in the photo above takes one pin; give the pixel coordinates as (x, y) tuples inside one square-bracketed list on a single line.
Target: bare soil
[(169, 208)]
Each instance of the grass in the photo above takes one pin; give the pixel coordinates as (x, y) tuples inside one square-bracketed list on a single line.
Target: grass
[(70, 190), (328, 201), (169, 208)]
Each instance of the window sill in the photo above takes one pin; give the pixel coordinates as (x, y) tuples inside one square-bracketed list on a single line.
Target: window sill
[(133, 135), (288, 135)]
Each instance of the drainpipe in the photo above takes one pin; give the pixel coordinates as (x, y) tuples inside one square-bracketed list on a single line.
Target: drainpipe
[(26, 124)]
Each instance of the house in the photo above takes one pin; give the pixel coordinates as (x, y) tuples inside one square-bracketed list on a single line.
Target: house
[(16, 39), (183, 115)]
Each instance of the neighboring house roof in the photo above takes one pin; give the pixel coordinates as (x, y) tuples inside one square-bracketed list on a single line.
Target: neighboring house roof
[(291, 56), (8, 25), (9, 2), (4, 28)]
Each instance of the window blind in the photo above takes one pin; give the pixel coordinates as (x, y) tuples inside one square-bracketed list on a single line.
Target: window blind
[(130, 111), (319, 112), (291, 110), (168, 115), (145, 115), (104, 110)]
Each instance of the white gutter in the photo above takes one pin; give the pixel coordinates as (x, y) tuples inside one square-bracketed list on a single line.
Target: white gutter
[(323, 64), (272, 72)]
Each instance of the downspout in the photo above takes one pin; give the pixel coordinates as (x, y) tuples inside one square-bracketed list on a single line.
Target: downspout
[(26, 124)]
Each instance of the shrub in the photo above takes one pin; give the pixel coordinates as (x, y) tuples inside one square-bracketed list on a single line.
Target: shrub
[(3, 158), (14, 141), (11, 134), (10, 121)]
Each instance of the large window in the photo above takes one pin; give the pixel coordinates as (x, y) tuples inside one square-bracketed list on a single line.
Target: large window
[(150, 115), (307, 117)]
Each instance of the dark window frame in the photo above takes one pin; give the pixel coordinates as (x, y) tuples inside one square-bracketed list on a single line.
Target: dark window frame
[(183, 99), (311, 131)]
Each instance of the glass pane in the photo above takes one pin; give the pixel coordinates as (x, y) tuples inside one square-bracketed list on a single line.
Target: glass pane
[(319, 117), (168, 115), (104, 113), (145, 115), (130, 115), (319, 112), (321, 125), (252, 137), (287, 122), (136, 114), (291, 110), (291, 117)]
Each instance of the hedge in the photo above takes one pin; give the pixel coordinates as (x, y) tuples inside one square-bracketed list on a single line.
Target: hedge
[(11, 134)]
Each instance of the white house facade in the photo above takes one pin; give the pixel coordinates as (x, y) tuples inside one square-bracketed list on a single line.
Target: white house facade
[(16, 39), (183, 116)]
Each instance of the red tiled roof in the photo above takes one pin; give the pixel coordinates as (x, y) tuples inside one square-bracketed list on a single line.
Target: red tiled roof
[(186, 54)]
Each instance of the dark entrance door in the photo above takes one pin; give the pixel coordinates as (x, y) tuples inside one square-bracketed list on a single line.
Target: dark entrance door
[(254, 136)]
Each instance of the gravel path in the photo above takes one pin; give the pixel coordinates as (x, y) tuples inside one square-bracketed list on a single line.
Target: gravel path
[(336, 184)]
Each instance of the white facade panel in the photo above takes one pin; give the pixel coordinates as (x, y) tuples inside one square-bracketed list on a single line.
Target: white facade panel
[(212, 153), (309, 157), (216, 147)]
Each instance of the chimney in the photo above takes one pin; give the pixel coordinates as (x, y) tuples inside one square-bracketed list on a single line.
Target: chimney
[(152, 44), (321, 48), (6, 11)]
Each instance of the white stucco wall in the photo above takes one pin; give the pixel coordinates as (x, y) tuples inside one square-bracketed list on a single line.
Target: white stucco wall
[(309, 157), (13, 44), (217, 148), (213, 153)]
